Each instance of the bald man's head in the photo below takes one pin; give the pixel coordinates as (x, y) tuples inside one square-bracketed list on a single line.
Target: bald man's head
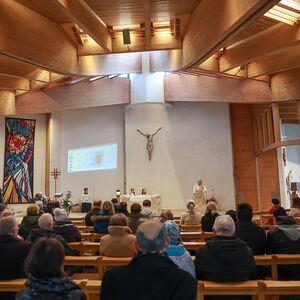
[(151, 236), (46, 221)]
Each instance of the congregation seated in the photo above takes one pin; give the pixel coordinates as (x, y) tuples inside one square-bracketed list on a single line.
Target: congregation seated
[(175, 251), (134, 217), (13, 253), (64, 227), (285, 239), (190, 217), (146, 210), (119, 242), (248, 231), (225, 258), (295, 207), (95, 210), (232, 214), (46, 224), (30, 221), (208, 220), (151, 274), (166, 215), (123, 208), (46, 280), (101, 219)]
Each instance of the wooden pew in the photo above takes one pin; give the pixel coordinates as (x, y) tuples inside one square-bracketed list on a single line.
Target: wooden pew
[(190, 228), (110, 262), (91, 236), (196, 236), (84, 228), (206, 288), (13, 285), (275, 288), (93, 261), (78, 222), (86, 248), (92, 289), (193, 245)]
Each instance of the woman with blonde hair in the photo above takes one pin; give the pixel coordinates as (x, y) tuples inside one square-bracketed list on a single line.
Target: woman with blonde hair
[(101, 219), (191, 216), (30, 221), (208, 220)]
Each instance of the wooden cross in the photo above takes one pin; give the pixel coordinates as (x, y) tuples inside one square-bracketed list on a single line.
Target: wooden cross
[(55, 173)]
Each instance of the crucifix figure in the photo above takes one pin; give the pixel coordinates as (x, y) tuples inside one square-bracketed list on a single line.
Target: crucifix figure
[(149, 137), (55, 173)]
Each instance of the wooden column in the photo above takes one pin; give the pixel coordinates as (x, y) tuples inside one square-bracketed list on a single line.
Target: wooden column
[(48, 149), (7, 102), (276, 122)]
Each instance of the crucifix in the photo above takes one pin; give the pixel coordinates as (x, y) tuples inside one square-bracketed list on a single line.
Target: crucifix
[(149, 137), (55, 173)]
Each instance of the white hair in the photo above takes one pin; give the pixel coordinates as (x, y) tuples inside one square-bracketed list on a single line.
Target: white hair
[(8, 225), (224, 226), (60, 214), (46, 221)]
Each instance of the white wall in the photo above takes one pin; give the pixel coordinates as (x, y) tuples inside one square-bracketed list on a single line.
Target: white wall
[(84, 128), (39, 153), (195, 142)]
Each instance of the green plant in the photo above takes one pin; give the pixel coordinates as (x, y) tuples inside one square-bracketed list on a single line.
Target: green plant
[(67, 203)]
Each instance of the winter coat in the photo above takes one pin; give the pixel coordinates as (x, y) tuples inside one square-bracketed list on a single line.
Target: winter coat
[(118, 243), (207, 221), (87, 218), (101, 222), (28, 223), (51, 289), (225, 259), (285, 239), (148, 276), (67, 230), (134, 220)]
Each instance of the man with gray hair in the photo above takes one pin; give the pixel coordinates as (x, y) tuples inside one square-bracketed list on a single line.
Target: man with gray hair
[(46, 224), (151, 274), (13, 252), (225, 258)]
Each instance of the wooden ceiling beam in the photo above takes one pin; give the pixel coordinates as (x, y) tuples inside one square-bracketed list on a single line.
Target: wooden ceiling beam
[(266, 42), (284, 60), (82, 15), (35, 39), (214, 22), (13, 83), (147, 17)]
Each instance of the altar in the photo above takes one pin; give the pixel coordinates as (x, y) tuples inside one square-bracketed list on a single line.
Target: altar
[(155, 201)]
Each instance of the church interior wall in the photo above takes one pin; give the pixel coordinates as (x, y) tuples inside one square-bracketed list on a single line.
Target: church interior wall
[(195, 142), (85, 128)]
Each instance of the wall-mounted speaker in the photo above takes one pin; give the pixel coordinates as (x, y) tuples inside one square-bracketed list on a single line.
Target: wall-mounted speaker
[(126, 37)]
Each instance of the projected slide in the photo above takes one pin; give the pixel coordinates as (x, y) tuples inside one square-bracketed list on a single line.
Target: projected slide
[(93, 158)]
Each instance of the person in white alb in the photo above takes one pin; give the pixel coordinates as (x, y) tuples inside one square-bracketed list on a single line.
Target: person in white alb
[(199, 196), (86, 201)]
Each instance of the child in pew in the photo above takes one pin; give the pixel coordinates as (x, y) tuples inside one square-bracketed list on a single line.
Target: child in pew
[(176, 252)]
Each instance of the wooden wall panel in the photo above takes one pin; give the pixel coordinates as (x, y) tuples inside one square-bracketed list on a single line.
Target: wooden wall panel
[(244, 153), (268, 178)]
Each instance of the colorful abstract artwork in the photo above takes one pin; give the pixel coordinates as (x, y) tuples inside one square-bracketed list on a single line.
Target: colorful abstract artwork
[(18, 160)]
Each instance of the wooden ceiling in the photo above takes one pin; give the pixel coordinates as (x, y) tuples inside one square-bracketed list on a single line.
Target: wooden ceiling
[(49, 43)]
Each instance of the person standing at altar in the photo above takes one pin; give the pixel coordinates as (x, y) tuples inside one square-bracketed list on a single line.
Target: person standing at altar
[(199, 196), (86, 201), (144, 192), (132, 192), (85, 197)]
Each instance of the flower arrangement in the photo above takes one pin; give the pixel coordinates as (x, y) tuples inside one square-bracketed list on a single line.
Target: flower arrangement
[(67, 203)]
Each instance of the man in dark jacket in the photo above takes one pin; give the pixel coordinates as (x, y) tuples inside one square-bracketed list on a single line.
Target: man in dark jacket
[(248, 231), (225, 258), (285, 239), (46, 224), (151, 274), (13, 252)]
